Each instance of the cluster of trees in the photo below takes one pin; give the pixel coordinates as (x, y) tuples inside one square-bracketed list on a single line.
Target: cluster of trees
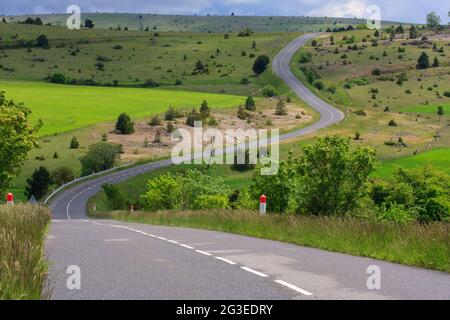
[(424, 61)]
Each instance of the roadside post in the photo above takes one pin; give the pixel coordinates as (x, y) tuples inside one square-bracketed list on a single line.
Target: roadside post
[(262, 204), (10, 199)]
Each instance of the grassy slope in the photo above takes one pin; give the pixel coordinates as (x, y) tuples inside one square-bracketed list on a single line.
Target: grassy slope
[(202, 23), (23, 270), (63, 108), (167, 58)]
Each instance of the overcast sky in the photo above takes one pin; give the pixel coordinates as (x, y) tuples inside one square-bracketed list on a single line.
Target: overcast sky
[(398, 10)]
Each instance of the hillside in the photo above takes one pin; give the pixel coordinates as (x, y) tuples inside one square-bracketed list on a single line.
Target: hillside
[(180, 23)]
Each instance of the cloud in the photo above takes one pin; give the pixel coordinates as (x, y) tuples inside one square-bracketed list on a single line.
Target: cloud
[(344, 9)]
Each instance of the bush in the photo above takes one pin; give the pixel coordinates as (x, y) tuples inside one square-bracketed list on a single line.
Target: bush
[(280, 109), (74, 144), (116, 199), (245, 81), (42, 42), (192, 117), (100, 156), (124, 124), (250, 104), (211, 202), (241, 113), (392, 123), (58, 78), (319, 85), (62, 175), (260, 64), (155, 120), (376, 72), (269, 91), (150, 83), (172, 114), (447, 94), (305, 57)]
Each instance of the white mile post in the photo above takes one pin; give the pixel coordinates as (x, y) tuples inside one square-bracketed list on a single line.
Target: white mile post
[(262, 204)]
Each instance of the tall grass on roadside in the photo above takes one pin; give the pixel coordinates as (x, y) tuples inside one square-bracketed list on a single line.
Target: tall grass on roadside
[(23, 269), (414, 244)]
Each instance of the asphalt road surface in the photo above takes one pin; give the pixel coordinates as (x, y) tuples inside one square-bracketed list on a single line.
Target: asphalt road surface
[(101, 259)]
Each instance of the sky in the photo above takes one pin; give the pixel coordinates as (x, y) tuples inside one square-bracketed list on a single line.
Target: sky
[(393, 10)]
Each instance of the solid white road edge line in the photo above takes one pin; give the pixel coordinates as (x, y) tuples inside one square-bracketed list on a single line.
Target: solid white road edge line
[(204, 252), (226, 260)]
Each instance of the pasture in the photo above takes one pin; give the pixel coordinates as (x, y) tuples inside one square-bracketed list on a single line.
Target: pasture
[(63, 108)]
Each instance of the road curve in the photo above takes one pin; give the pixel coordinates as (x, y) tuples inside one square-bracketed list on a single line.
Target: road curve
[(134, 261)]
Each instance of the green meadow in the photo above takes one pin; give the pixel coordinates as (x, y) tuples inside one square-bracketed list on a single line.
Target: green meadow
[(63, 108), (432, 109), (437, 158)]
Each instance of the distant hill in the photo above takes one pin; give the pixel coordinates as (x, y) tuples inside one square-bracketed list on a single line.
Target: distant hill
[(134, 21)]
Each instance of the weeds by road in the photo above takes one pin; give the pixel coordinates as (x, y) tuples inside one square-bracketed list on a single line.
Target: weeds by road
[(23, 269)]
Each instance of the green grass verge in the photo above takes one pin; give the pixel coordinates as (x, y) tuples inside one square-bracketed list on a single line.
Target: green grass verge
[(63, 108), (413, 244), (438, 158), (429, 109), (23, 270)]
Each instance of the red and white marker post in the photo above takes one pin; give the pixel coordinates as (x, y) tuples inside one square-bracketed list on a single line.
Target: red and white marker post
[(10, 199), (262, 204)]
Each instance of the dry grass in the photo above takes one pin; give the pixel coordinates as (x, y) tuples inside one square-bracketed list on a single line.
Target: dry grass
[(23, 269), (414, 244)]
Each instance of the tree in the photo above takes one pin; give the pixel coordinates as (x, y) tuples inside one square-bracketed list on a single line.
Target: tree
[(436, 62), (18, 138), (62, 175), (205, 110), (260, 64), (440, 112), (241, 113), (192, 117), (116, 199), (42, 41), (433, 20), (39, 183), (333, 176), (88, 23), (413, 34), (280, 109), (124, 124), (250, 104), (74, 144), (424, 61), (100, 156), (199, 66)]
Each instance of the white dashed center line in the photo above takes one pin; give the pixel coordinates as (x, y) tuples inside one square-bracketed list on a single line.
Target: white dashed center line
[(255, 272), (295, 288), (226, 260)]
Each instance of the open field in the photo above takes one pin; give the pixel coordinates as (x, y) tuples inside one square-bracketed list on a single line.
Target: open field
[(198, 23), (130, 58), (23, 269), (63, 108), (412, 244), (438, 158)]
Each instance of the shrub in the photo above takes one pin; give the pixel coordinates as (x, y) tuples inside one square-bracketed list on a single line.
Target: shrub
[(260, 64), (424, 61), (447, 94), (269, 91), (62, 175), (241, 113), (211, 202), (58, 78), (150, 83), (305, 57), (392, 123), (376, 72), (116, 199), (319, 85), (42, 42), (250, 104), (155, 120), (280, 109), (245, 81), (124, 124), (74, 144), (100, 156), (192, 117), (170, 127)]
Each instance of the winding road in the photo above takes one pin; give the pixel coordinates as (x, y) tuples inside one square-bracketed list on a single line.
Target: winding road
[(120, 260)]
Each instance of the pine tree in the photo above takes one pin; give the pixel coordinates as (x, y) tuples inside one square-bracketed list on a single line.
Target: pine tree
[(205, 111), (124, 124), (39, 183), (424, 61), (250, 104), (281, 109), (436, 62), (74, 144)]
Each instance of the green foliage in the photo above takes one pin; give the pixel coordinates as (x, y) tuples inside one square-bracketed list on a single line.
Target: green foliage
[(124, 124), (100, 156), (155, 120), (424, 61), (241, 113), (74, 144), (250, 104), (18, 138), (260, 64), (433, 20), (216, 201), (192, 117), (422, 193), (116, 199), (42, 41), (205, 110), (281, 109), (62, 175), (305, 57), (39, 183), (190, 190), (269, 91), (172, 114)]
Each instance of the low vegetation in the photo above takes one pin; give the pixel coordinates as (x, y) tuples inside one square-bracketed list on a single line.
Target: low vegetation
[(23, 269)]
